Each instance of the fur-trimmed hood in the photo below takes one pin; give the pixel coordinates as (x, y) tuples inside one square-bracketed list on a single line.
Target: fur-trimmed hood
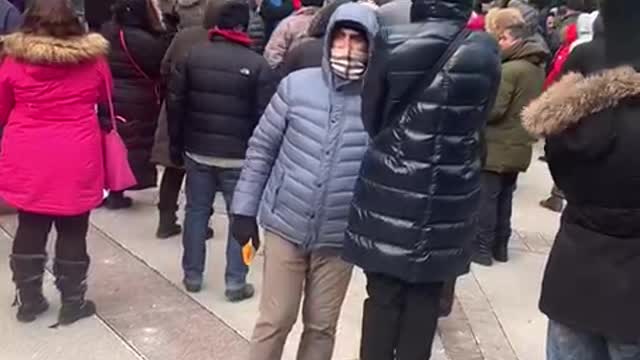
[(38, 49), (575, 97)]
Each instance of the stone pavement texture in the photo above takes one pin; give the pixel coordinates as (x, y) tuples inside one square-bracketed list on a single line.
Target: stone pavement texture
[(143, 312)]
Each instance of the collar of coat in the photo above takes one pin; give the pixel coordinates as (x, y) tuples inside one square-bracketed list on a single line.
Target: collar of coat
[(575, 97), (38, 49)]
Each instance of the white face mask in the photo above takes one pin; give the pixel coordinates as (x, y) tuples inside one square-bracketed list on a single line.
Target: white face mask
[(349, 54), (347, 67)]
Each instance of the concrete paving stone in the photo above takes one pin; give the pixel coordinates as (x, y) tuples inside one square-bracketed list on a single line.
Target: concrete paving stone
[(457, 336), (88, 339), (486, 327), (513, 290), (155, 317)]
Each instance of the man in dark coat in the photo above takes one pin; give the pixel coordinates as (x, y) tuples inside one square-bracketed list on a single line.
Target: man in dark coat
[(591, 286), (173, 175), (217, 93), (509, 146), (414, 211)]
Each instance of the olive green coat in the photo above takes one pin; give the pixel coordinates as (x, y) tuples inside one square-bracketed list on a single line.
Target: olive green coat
[(509, 146)]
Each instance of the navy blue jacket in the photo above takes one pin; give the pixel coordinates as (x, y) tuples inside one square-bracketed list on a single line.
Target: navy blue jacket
[(415, 204)]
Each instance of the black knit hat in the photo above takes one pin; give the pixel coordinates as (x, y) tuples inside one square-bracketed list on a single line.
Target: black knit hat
[(317, 3), (233, 13), (622, 38)]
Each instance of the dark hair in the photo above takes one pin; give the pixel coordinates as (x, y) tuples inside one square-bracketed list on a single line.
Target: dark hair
[(52, 18), (234, 13), (137, 13), (582, 5)]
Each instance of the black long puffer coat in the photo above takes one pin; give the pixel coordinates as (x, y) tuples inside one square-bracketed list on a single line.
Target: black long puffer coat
[(136, 98), (415, 204)]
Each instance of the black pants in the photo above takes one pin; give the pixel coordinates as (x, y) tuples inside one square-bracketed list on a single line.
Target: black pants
[(497, 200), (400, 319), (33, 232), (170, 189)]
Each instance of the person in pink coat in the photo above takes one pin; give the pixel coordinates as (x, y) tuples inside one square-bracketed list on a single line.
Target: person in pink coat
[(52, 77)]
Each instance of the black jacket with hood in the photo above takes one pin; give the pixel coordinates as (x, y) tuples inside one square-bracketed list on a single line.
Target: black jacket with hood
[(415, 204), (591, 125), (216, 96)]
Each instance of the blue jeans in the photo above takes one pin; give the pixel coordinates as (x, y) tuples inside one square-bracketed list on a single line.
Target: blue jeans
[(565, 343), (202, 184)]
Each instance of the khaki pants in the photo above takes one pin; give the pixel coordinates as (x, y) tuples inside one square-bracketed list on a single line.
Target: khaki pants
[(288, 275)]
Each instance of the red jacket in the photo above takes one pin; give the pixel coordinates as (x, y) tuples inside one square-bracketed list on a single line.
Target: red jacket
[(561, 56)]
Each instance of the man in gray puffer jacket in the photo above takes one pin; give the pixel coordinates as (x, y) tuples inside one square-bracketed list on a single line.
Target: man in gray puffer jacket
[(300, 170)]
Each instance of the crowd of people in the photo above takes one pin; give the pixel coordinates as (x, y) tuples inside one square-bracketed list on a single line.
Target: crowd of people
[(388, 136)]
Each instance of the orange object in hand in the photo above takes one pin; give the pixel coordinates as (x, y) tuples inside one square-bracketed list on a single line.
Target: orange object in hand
[(248, 253)]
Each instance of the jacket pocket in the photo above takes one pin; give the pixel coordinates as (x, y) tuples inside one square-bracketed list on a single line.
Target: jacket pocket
[(276, 193)]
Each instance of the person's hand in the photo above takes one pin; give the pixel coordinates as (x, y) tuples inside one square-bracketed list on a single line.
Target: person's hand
[(245, 229)]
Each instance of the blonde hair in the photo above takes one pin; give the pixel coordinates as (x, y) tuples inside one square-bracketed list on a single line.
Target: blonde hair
[(498, 21)]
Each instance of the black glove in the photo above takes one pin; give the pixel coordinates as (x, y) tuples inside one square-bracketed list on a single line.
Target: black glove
[(245, 229), (176, 157)]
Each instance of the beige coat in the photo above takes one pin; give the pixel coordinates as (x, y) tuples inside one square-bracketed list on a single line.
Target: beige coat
[(286, 33)]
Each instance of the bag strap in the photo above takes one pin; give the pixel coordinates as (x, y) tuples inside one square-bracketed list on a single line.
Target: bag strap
[(112, 111), (414, 92), (123, 44)]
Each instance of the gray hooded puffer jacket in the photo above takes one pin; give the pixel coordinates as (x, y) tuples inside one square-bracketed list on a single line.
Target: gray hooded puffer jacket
[(304, 156)]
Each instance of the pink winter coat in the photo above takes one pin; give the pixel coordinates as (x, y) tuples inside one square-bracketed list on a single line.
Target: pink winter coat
[(51, 159)]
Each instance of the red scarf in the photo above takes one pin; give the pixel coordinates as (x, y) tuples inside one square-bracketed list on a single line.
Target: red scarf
[(237, 37)]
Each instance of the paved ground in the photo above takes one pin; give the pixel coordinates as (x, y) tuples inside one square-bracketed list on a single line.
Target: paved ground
[(144, 314)]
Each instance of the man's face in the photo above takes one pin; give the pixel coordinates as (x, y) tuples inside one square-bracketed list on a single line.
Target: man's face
[(506, 40), (350, 41)]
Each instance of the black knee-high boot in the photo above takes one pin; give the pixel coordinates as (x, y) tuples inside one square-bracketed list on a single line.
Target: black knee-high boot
[(28, 273), (71, 280)]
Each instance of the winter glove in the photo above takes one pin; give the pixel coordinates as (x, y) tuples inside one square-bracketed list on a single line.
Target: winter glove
[(245, 229)]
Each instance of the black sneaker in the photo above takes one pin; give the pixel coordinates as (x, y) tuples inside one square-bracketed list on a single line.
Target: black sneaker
[(117, 203), (165, 232), (192, 285), (482, 259), (241, 294)]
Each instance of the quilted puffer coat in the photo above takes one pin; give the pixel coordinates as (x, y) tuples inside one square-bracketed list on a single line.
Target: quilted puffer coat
[(415, 203), (304, 156)]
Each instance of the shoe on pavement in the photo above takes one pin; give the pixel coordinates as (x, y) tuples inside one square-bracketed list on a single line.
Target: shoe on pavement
[(167, 231), (482, 258), (553, 203), (241, 294), (501, 252), (117, 203), (192, 285), (72, 312)]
